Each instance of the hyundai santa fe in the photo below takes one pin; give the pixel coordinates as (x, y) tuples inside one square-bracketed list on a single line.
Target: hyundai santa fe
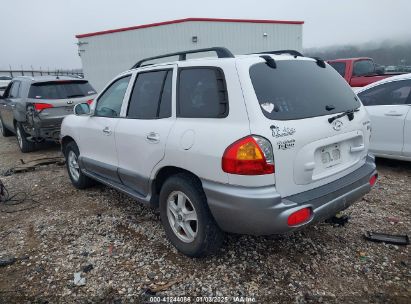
[(255, 144)]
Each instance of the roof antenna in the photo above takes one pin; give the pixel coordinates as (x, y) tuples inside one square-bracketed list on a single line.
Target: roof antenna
[(320, 62), (269, 61)]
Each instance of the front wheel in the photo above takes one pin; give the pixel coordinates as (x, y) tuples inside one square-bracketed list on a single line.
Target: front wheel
[(3, 130), (24, 144), (78, 179), (186, 218)]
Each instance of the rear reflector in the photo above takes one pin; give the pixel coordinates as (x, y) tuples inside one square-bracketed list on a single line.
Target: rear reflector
[(299, 217), (373, 180), (90, 101), (41, 106)]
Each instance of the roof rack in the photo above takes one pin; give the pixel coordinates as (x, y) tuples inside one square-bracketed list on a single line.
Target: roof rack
[(290, 52), (220, 51)]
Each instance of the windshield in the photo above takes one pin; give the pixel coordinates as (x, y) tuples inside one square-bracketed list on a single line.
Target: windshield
[(299, 89), (62, 89)]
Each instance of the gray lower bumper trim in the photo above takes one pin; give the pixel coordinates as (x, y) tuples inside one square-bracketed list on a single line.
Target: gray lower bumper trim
[(262, 211)]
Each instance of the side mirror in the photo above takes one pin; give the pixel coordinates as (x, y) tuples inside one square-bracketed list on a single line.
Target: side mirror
[(82, 109), (379, 70)]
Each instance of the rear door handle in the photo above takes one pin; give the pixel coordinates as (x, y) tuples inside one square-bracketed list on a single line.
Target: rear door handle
[(357, 149), (153, 137), (393, 114), (107, 131)]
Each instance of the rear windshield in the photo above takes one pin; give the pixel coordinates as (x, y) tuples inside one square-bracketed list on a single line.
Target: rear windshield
[(61, 89), (300, 89), (339, 67)]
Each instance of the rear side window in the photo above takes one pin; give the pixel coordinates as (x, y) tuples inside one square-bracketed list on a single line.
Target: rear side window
[(62, 89), (339, 67), (151, 96), (363, 68), (300, 89), (202, 93), (392, 93), (15, 90)]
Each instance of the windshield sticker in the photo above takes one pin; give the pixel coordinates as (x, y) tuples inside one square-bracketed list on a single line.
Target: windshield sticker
[(286, 144), (268, 106), (277, 132)]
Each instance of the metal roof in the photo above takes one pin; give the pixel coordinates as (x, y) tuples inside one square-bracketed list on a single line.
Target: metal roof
[(185, 20)]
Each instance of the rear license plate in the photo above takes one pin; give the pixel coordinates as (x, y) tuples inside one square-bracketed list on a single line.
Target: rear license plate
[(331, 155)]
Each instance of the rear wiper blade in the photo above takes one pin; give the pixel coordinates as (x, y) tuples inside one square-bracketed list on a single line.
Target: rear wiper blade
[(349, 113), (75, 95)]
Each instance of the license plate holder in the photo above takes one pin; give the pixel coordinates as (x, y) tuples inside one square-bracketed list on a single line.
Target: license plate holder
[(331, 155)]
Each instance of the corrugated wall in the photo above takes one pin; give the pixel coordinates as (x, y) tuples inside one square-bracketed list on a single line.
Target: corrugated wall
[(105, 56)]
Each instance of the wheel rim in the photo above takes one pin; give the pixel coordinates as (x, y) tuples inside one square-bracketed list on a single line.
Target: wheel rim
[(19, 137), (73, 165), (182, 216)]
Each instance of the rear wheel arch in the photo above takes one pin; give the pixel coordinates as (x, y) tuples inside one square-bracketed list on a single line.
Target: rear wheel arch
[(162, 175)]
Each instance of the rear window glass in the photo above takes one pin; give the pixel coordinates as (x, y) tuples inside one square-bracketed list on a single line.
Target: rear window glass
[(339, 67), (300, 89), (61, 89)]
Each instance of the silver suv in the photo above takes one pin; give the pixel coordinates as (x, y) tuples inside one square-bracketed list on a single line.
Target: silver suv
[(256, 144), (34, 107)]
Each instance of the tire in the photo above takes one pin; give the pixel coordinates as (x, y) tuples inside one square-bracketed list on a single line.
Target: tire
[(205, 237), (79, 180), (3, 130), (24, 145)]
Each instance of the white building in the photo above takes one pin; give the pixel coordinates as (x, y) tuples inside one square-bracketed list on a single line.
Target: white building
[(105, 54)]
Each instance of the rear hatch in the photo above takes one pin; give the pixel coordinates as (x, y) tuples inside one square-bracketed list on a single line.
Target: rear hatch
[(53, 100), (293, 105)]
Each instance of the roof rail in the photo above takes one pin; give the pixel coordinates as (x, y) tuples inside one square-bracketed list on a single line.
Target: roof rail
[(291, 52), (220, 51)]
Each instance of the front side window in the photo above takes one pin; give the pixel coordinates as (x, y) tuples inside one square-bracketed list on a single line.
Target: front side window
[(151, 95), (15, 90), (109, 103), (202, 93), (392, 93), (299, 89), (363, 68), (339, 67)]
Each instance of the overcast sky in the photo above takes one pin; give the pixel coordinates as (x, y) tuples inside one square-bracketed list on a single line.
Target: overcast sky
[(41, 32)]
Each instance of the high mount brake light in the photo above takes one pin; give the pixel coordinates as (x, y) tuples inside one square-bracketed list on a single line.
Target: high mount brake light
[(252, 155), (41, 106)]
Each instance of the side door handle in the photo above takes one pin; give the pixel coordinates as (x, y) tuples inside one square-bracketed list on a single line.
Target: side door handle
[(393, 113), (153, 137), (107, 131)]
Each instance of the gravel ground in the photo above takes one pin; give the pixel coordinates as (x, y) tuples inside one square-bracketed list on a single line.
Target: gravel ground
[(119, 247)]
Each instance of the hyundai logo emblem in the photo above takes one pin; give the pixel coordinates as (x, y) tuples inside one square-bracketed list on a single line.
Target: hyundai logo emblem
[(70, 102), (337, 125)]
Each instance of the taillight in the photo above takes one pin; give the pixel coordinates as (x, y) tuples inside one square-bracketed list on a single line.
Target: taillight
[(90, 101), (252, 155), (373, 180), (41, 106), (299, 217)]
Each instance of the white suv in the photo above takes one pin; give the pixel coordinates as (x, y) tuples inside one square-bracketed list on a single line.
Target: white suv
[(255, 144)]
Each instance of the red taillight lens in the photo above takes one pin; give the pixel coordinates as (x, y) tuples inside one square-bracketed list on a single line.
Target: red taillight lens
[(41, 106), (251, 155), (90, 101), (299, 217), (373, 180)]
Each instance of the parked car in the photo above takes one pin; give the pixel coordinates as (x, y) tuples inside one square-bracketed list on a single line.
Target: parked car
[(4, 82), (359, 72), (257, 144), (34, 107), (388, 103)]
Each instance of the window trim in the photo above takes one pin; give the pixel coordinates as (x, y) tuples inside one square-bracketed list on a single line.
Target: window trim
[(106, 89), (219, 69), (407, 100), (168, 69)]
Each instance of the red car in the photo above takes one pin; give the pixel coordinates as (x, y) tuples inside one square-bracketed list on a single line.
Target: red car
[(359, 72)]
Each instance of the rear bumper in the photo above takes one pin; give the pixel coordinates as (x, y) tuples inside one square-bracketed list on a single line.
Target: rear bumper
[(262, 211), (48, 129)]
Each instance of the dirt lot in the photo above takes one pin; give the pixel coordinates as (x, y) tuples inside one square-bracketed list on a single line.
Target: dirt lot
[(120, 248)]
